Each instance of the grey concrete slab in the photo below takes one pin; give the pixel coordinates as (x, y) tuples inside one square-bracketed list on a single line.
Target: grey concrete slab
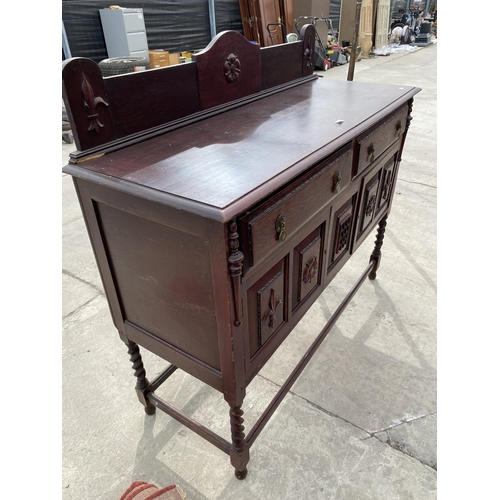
[(358, 423), (304, 452), (70, 207), (378, 365), (75, 293), (407, 438), (77, 256)]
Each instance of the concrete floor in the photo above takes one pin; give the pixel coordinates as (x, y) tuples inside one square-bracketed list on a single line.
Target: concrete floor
[(360, 422)]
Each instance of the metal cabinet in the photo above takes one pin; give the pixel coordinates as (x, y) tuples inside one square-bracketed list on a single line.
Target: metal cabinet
[(124, 32)]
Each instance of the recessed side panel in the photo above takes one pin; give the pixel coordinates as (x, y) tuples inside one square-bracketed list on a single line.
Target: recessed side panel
[(163, 279)]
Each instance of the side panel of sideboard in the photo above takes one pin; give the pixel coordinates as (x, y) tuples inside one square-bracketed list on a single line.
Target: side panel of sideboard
[(165, 289)]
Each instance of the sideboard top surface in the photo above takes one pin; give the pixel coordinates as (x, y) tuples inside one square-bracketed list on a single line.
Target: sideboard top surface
[(225, 163)]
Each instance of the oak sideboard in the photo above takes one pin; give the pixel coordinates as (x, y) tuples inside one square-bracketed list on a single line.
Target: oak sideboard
[(221, 197)]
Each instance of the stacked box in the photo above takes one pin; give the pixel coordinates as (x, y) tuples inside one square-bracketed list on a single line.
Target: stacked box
[(174, 59), (159, 58)]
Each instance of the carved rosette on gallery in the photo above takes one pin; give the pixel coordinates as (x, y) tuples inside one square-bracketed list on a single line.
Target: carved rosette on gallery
[(232, 68)]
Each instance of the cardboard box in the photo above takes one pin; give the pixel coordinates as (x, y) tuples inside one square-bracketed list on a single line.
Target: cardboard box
[(174, 59), (159, 58)]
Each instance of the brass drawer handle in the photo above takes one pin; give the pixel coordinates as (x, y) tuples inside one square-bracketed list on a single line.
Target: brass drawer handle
[(280, 227), (337, 180), (371, 151), (399, 127)]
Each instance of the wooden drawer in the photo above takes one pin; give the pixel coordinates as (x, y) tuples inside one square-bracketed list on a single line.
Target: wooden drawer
[(372, 144), (268, 226)]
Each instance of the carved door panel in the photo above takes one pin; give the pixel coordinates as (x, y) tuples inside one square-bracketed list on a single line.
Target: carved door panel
[(267, 305), (387, 182), (343, 222), (307, 265), (250, 19), (369, 202)]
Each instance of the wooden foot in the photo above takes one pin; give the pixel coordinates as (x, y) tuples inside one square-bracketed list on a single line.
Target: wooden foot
[(142, 386), (241, 474), (239, 454), (377, 254)]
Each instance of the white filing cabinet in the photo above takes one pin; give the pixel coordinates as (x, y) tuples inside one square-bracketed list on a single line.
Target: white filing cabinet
[(124, 32)]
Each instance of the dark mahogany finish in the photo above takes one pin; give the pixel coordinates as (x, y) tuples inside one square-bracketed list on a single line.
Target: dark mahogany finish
[(217, 220)]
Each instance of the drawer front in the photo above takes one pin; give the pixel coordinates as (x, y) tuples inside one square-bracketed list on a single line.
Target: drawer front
[(268, 226), (137, 42), (373, 144), (134, 21)]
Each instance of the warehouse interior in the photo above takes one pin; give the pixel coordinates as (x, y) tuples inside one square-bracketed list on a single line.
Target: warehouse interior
[(187, 26)]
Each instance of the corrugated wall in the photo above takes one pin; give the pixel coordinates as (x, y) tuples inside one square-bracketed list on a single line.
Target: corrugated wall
[(173, 25)]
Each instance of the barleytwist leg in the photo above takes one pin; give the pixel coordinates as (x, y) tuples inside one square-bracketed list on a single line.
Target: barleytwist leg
[(377, 254), (142, 385), (239, 451)]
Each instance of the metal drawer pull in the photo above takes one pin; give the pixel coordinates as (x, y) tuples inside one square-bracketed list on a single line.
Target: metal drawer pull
[(371, 151), (280, 227), (337, 179)]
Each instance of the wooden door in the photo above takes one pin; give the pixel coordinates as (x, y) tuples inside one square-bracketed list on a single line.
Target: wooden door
[(287, 17), (250, 20), (256, 15), (270, 13)]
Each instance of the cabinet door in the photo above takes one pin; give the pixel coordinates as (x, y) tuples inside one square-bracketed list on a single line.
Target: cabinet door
[(267, 305), (369, 202), (387, 179), (343, 223), (377, 191), (307, 266)]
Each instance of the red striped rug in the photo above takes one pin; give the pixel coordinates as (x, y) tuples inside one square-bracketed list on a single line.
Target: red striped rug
[(140, 490)]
